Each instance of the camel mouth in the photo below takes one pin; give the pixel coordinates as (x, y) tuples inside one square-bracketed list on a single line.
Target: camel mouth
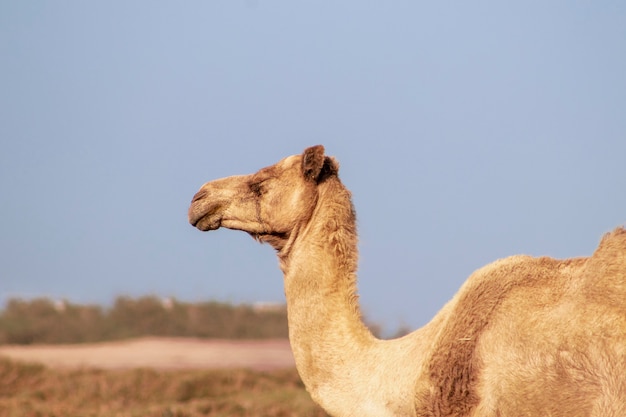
[(207, 222), (205, 218)]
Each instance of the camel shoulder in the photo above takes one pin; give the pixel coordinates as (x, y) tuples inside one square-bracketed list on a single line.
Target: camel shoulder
[(452, 376)]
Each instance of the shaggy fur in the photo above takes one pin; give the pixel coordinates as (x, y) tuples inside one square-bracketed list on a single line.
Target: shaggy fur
[(522, 337)]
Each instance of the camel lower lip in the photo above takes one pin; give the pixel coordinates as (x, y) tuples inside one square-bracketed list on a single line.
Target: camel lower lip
[(206, 223)]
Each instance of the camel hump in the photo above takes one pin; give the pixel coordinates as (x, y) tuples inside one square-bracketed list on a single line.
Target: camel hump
[(610, 256), (613, 244), (605, 273)]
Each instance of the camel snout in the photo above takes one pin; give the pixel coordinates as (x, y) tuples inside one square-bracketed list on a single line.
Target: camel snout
[(196, 213), (205, 213)]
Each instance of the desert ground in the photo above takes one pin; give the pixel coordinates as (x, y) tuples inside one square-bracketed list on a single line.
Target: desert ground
[(159, 353)]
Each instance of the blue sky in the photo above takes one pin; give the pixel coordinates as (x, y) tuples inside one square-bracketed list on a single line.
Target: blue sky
[(466, 131)]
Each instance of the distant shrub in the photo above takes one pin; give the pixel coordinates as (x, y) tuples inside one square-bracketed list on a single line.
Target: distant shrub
[(43, 321)]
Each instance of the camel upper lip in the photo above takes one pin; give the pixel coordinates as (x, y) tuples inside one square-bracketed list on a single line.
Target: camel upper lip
[(195, 214), (194, 219)]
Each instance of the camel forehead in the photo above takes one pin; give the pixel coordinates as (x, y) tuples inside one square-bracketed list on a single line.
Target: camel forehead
[(290, 161), (284, 164)]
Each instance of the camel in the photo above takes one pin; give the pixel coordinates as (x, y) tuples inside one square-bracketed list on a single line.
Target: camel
[(523, 336)]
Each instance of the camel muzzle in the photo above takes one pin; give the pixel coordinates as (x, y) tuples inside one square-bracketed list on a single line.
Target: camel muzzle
[(205, 215)]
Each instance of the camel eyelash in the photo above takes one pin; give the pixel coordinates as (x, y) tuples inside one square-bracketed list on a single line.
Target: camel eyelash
[(258, 187)]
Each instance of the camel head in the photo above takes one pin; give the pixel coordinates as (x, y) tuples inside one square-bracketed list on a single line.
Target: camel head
[(269, 204)]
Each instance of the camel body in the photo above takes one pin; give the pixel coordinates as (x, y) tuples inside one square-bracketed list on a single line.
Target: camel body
[(523, 336)]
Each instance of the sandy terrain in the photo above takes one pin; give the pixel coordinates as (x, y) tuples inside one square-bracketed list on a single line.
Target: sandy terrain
[(161, 353)]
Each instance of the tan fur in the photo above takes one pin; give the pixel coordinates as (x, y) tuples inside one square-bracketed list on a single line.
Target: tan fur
[(522, 337)]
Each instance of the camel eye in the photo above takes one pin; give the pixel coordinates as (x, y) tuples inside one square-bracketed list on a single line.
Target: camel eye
[(257, 188)]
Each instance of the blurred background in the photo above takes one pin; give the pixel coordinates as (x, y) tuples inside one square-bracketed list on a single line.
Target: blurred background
[(467, 132)]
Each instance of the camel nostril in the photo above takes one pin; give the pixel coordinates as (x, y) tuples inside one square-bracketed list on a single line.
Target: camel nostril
[(199, 196)]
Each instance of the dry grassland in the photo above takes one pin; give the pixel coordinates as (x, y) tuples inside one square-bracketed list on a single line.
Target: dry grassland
[(153, 377)]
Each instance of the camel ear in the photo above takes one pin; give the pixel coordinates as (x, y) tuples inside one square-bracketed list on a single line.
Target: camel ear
[(317, 167), (312, 162), (329, 169)]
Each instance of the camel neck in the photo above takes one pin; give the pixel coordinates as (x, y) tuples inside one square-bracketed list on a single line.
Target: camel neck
[(325, 326)]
